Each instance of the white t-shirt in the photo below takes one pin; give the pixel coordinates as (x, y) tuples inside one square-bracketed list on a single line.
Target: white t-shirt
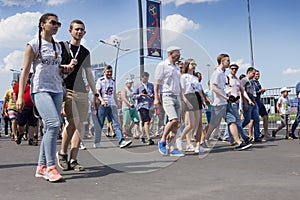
[(46, 77), (284, 105), (218, 79), (168, 75), (107, 88), (189, 83)]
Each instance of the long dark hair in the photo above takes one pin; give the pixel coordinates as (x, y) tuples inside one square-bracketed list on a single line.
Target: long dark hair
[(43, 19)]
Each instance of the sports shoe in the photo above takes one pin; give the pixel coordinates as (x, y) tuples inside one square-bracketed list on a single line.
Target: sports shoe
[(52, 174), (30, 141), (19, 139), (82, 147), (249, 140), (273, 133), (190, 148), (177, 153), (41, 172), (162, 148), (179, 144), (143, 140), (74, 165), (293, 136), (203, 148), (124, 143), (96, 145), (62, 161), (150, 142), (242, 146)]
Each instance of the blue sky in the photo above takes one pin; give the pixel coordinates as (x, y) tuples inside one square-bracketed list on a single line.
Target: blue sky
[(203, 28)]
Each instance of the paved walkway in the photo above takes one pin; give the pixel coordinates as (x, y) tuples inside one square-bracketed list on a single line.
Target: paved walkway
[(266, 171)]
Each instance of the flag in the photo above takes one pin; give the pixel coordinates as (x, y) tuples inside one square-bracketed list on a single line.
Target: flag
[(153, 29)]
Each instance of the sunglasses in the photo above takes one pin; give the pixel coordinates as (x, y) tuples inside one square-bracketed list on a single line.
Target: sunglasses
[(53, 22), (79, 29), (234, 68)]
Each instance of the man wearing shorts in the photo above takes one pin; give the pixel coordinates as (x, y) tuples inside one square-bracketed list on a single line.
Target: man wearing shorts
[(221, 103), (167, 79), (26, 116)]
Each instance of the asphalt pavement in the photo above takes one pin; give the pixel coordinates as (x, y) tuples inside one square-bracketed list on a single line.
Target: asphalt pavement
[(269, 170)]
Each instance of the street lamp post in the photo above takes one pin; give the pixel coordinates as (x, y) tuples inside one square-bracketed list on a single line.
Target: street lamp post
[(116, 44), (208, 66)]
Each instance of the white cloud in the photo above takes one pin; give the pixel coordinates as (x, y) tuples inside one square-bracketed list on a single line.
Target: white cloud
[(25, 3), (179, 23), (181, 2), (56, 2), (174, 25), (28, 3), (241, 64), (19, 29), (13, 61), (291, 71)]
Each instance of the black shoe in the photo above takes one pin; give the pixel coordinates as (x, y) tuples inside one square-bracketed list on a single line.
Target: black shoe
[(242, 146), (150, 142), (19, 139), (143, 140), (250, 139), (294, 136), (273, 133), (62, 161), (30, 141)]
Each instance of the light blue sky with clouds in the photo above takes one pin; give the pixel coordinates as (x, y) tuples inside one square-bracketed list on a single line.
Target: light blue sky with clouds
[(203, 28)]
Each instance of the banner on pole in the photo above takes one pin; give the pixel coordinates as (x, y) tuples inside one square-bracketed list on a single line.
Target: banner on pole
[(153, 29)]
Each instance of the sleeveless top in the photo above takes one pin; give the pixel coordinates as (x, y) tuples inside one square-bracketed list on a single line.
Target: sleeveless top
[(128, 97)]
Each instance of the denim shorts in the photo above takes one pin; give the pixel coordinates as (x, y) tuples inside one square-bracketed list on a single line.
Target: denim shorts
[(222, 111)]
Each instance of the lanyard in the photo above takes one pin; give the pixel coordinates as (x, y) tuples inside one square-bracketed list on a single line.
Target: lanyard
[(71, 52)]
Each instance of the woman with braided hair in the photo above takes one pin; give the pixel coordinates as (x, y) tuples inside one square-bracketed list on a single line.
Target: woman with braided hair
[(44, 54)]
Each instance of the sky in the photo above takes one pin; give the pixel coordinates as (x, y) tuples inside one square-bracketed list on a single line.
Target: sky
[(202, 28)]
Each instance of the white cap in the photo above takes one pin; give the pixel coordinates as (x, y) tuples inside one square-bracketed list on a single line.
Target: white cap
[(129, 81), (173, 48), (284, 89)]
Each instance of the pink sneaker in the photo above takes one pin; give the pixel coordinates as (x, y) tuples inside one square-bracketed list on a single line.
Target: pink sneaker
[(53, 174), (41, 172)]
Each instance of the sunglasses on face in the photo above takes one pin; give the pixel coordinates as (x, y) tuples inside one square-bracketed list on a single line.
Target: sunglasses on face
[(79, 29), (53, 22), (234, 69)]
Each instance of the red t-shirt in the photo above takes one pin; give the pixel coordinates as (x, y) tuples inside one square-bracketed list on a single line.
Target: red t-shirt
[(27, 97)]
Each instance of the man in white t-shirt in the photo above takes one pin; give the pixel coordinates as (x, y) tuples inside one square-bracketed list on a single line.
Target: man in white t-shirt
[(106, 89), (167, 78), (221, 103)]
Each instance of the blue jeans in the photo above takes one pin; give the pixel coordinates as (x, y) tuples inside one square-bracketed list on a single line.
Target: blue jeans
[(112, 112), (252, 113), (297, 120), (49, 107)]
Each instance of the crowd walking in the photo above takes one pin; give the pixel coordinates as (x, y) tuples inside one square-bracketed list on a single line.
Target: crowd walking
[(59, 75)]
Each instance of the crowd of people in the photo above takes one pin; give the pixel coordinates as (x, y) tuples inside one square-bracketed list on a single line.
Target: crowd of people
[(62, 79)]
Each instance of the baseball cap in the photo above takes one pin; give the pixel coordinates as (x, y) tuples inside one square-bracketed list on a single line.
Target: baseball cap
[(129, 81), (284, 89), (173, 48)]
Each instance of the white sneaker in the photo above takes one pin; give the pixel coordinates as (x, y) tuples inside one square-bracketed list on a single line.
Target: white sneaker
[(197, 149), (82, 147), (190, 148), (179, 144), (125, 143), (96, 145)]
